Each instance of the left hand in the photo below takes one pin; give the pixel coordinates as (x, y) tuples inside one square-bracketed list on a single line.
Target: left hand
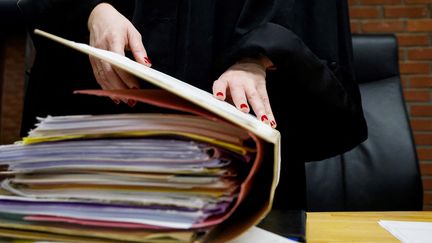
[(245, 83)]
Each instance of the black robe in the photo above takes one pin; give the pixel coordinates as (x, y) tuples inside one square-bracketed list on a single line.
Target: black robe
[(315, 100)]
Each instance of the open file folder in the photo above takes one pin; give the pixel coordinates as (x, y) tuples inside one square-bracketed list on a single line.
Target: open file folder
[(221, 186)]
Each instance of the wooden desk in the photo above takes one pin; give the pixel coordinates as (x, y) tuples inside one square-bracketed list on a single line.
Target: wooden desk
[(356, 226)]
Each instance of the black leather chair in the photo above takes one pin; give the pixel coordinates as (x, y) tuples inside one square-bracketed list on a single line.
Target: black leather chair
[(383, 172)]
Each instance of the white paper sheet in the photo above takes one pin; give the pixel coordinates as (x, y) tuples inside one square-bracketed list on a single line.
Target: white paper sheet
[(409, 232), (256, 234)]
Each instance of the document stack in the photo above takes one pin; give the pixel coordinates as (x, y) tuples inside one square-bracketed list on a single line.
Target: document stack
[(204, 172), (126, 177)]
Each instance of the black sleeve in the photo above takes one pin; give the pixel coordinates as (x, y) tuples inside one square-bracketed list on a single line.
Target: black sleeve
[(319, 113)]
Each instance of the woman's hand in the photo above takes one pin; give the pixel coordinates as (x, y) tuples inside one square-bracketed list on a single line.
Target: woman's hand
[(245, 83), (110, 30)]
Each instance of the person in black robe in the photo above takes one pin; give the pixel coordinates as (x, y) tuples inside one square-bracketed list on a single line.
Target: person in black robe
[(310, 84)]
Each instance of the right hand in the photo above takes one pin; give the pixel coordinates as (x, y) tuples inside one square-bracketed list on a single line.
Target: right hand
[(110, 30)]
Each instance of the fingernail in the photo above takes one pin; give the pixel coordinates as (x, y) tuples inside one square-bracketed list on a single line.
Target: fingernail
[(273, 124), (134, 87), (147, 60), (264, 118), (131, 103), (220, 94), (244, 106)]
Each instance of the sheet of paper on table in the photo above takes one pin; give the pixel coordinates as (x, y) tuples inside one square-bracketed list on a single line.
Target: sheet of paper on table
[(256, 234), (409, 232)]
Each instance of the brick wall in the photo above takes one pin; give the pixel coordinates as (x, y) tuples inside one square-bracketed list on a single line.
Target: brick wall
[(13, 87), (411, 21)]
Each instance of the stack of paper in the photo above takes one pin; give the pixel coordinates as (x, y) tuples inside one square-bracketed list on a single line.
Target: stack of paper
[(127, 177), (409, 232), (208, 174)]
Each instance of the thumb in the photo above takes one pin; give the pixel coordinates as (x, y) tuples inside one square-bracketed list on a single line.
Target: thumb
[(137, 48)]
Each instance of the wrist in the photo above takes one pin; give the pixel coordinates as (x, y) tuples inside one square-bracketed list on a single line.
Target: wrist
[(262, 61), (267, 63)]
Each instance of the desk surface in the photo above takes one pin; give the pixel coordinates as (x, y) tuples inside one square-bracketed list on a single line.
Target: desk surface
[(356, 226)]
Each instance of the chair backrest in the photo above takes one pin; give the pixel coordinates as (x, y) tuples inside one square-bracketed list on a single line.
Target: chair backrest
[(383, 172)]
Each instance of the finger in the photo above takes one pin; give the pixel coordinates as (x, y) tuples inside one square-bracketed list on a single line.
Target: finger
[(238, 96), (113, 81), (257, 103), (262, 91), (127, 78), (273, 123), (97, 71), (119, 78), (137, 48), (219, 89), (116, 82)]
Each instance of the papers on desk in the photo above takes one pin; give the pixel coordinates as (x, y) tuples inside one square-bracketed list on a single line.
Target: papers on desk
[(409, 232), (152, 177), (256, 234)]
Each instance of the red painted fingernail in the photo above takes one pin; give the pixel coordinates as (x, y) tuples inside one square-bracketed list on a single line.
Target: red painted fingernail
[(147, 60), (264, 118), (219, 94), (131, 103), (273, 123), (134, 87), (243, 106)]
